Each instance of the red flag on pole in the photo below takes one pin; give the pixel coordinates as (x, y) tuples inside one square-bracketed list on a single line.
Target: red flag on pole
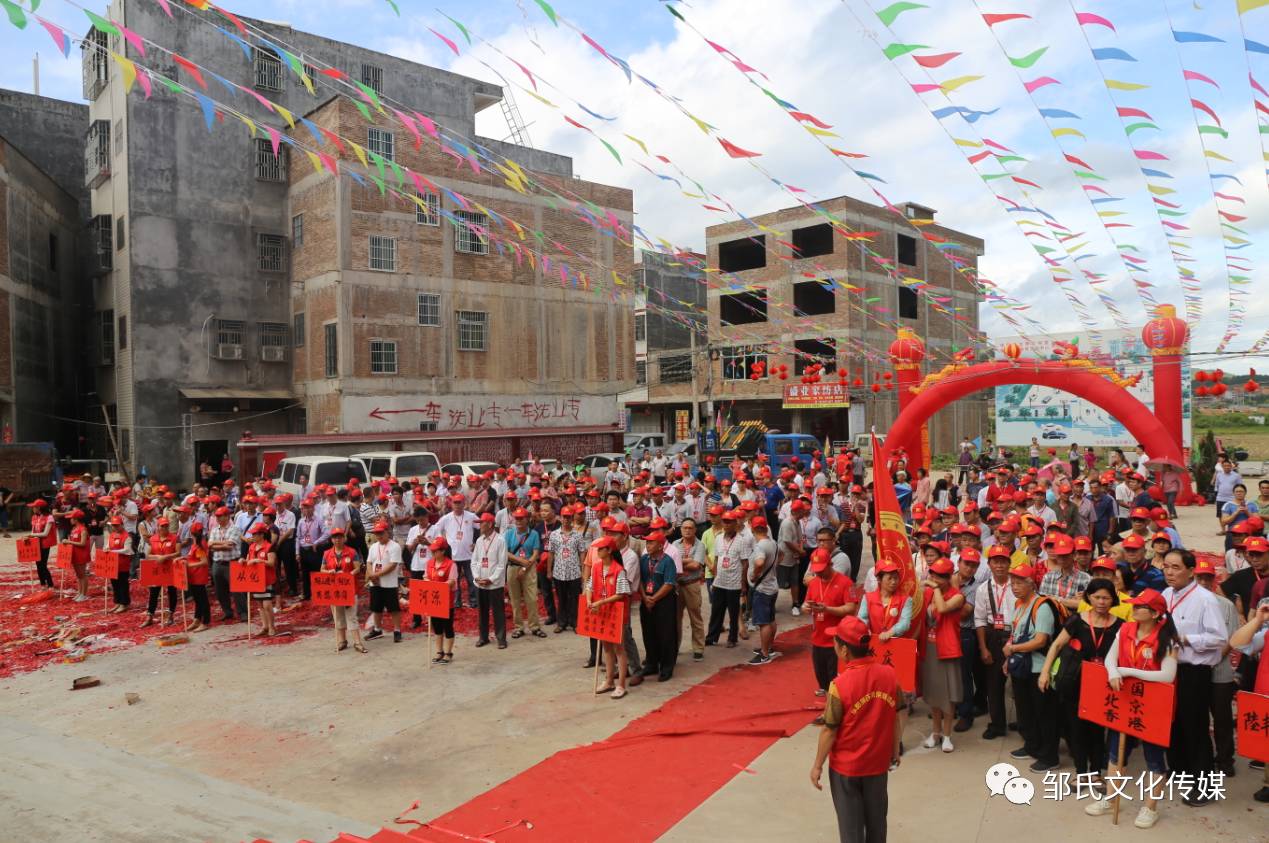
[(892, 533)]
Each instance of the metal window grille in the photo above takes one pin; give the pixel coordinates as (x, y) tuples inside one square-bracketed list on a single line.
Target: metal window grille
[(97, 153), (270, 252), (738, 361), (427, 427), (641, 372), (676, 368), (268, 70), (331, 334), (372, 77), (229, 331), (106, 321), (273, 341), (383, 357), (430, 309), (297, 230), (102, 235), (428, 213), (641, 327), (297, 329), (95, 66), (383, 253), (472, 330), (467, 239), (380, 141), (268, 165)]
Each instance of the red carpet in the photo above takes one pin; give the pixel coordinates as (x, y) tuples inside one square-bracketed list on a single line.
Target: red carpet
[(635, 785)]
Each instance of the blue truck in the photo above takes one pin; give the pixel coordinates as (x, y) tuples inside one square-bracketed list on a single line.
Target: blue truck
[(750, 438)]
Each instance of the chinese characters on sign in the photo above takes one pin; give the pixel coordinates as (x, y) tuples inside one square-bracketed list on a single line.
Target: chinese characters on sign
[(107, 564), (823, 395), (607, 624), (64, 556), (430, 598), (29, 550), (1253, 725), (180, 574), (488, 414), (1139, 709), (901, 654), (156, 572), (246, 577), (331, 589)]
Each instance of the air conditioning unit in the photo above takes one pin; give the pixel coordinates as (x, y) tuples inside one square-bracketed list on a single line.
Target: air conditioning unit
[(229, 351), (273, 354)]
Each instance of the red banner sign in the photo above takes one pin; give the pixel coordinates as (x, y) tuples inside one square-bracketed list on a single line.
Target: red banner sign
[(901, 654), (330, 589), (430, 598), (1253, 725), (156, 573), (1138, 709), (180, 574), (108, 564), (65, 553), (29, 550), (606, 624), (827, 394), (244, 577)]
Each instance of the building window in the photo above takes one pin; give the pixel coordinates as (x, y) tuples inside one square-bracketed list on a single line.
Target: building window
[(121, 233), (905, 250), (809, 352), (383, 357), (467, 238), (122, 335), (641, 327), (472, 330), (676, 368), (430, 309), (297, 231), (102, 235), (813, 240), (268, 165), (380, 141), (332, 349), (96, 63), (53, 249), (372, 77), (641, 372), (273, 341), (427, 211), (813, 298), (106, 336), (427, 427), (229, 338), (745, 308), (97, 153), (907, 303), (270, 252), (297, 329), (746, 253), (383, 253), (738, 361), (268, 69), (311, 72)]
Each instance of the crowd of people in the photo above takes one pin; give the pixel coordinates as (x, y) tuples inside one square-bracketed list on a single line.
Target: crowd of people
[(1020, 575)]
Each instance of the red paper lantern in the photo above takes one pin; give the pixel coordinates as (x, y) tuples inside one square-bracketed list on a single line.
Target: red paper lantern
[(889, 387), (1200, 375), (1250, 386), (1200, 391), (1219, 389), (784, 376), (876, 387), (858, 381), (887, 375), (907, 349), (1165, 334), (1218, 375), (1013, 351)]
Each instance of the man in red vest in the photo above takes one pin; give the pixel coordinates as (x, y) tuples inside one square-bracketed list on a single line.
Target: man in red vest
[(860, 738)]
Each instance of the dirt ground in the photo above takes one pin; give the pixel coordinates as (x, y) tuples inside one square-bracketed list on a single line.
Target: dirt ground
[(236, 741)]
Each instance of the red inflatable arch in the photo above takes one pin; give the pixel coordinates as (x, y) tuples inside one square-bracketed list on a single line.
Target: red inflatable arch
[(1141, 423)]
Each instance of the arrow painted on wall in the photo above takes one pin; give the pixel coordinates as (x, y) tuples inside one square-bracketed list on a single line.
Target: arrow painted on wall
[(382, 415)]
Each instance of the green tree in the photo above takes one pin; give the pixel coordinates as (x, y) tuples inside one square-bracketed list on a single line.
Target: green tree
[(1024, 413), (1205, 466)]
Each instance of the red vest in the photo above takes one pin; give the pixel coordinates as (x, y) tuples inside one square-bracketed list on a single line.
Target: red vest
[(37, 525), (334, 562), (945, 631), (882, 615), (163, 545), (604, 583), (833, 593), (259, 552), (116, 541), (200, 575), (870, 695), (1139, 655), (436, 573), (80, 555)]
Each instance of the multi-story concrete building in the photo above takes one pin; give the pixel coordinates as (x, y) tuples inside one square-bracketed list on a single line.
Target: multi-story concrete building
[(45, 311), (789, 309), (247, 293)]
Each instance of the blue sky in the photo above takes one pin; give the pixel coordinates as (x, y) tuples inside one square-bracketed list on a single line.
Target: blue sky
[(825, 56)]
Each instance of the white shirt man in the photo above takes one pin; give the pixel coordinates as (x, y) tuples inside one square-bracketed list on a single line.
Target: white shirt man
[(1197, 615), (417, 538), (458, 526), (382, 557), (489, 559)]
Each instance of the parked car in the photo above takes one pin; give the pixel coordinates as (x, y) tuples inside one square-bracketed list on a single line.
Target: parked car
[(336, 471), (1052, 431), (399, 464), (687, 447), (467, 469), (597, 464), (636, 443)]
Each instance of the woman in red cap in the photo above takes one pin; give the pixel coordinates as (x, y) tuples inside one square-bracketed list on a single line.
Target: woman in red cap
[(260, 552), (887, 613), (80, 552), (941, 663), (606, 584), (342, 558), (198, 575), (164, 547), (42, 528), (118, 541), (1145, 648), (441, 568)]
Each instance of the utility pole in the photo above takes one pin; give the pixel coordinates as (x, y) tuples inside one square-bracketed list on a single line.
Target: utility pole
[(696, 402)]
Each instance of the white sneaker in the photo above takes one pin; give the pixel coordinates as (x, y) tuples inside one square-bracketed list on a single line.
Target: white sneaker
[(1146, 818), (1098, 807), (796, 611), (930, 742), (947, 744)]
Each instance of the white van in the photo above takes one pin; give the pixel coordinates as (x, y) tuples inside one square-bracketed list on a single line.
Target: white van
[(314, 471), (399, 464)]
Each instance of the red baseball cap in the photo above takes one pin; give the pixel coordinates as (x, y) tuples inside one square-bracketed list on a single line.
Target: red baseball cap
[(1204, 566), (1083, 543), (819, 560), (852, 630), (970, 554), (1103, 563), (941, 566), (1140, 513), (655, 536), (1150, 599), (999, 550), (1134, 542), (1025, 571), (1256, 544), (758, 523)]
